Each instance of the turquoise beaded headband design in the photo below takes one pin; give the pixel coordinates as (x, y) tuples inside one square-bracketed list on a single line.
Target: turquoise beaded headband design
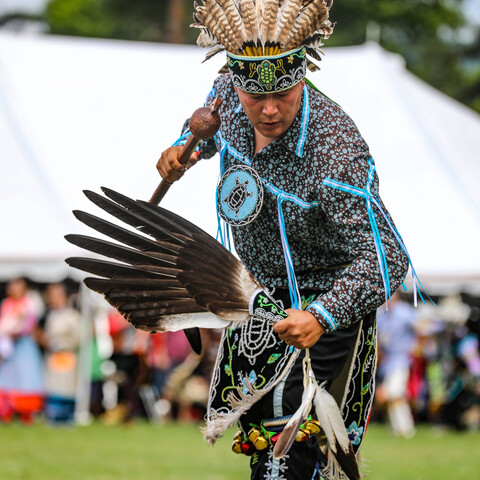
[(268, 74)]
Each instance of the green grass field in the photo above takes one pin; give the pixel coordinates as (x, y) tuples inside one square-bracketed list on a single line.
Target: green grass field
[(177, 452)]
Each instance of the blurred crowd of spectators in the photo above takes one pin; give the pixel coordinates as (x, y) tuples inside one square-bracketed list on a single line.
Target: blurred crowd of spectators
[(428, 365), (428, 370), (131, 373)]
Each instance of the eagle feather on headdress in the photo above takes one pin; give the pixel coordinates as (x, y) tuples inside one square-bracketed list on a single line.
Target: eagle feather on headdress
[(263, 27)]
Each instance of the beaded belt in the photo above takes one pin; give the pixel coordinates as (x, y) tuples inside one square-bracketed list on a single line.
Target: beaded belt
[(268, 432), (276, 424)]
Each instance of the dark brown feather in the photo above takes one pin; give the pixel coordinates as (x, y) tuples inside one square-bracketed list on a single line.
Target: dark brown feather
[(196, 285), (137, 221), (105, 285), (186, 305), (149, 285), (215, 303), (159, 312), (119, 252), (117, 270), (314, 54), (150, 212), (348, 462), (129, 295), (195, 261), (194, 339), (123, 235), (176, 222)]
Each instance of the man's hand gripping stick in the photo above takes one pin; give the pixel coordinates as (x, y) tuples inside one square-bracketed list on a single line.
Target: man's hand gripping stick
[(204, 124)]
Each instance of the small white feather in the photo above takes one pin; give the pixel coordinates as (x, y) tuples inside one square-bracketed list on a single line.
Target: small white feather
[(290, 431), (330, 419)]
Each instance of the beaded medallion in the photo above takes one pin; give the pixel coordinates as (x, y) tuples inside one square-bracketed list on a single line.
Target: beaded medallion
[(239, 195)]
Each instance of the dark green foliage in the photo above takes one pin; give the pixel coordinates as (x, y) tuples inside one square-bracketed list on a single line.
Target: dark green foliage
[(427, 33), (146, 20)]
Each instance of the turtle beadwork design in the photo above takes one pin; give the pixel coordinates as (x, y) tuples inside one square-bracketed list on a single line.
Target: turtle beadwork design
[(239, 195), (266, 74), (236, 198)]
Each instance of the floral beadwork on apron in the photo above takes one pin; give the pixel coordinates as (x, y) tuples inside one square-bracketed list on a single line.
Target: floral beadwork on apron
[(251, 360), (359, 393)]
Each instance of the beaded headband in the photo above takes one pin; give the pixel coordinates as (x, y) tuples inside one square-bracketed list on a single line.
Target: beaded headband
[(268, 74)]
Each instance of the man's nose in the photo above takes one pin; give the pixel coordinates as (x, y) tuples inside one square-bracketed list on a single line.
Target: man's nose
[(269, 106)]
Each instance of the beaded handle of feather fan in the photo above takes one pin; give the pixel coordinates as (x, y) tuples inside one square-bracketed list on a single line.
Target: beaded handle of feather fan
[(204, 124)]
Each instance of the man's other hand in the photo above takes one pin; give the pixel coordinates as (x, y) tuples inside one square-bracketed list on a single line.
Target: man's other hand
[(300, 329)]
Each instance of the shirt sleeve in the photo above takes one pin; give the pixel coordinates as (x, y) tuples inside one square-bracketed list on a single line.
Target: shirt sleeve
[(351, 202)]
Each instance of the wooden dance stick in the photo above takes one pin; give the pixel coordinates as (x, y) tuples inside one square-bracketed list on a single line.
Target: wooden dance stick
[(204, 124)]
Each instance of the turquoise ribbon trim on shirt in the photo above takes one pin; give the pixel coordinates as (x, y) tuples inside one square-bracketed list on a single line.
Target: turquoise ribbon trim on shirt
[(295, 299), (282, 196), (302, 137), (325, 314), (183, 139), (223, 232), (304, 123), (382, 260)]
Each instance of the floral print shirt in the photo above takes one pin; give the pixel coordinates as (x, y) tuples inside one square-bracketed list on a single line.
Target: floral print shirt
[(328, 229)]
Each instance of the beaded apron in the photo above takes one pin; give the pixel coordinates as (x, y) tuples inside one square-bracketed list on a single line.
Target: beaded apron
[(251, 360)]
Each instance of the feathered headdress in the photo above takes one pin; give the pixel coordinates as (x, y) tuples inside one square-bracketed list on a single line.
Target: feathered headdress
[(266, 41)]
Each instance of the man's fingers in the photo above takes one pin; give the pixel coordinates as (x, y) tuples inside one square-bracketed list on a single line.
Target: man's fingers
[(280, 327), (168, 165)]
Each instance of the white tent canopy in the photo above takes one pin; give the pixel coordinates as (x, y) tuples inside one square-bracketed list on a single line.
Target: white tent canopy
[(79, 114)]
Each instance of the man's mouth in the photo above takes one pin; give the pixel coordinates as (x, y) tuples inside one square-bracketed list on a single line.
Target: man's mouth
[(270, 124)]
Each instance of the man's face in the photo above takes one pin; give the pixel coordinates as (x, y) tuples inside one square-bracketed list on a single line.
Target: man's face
[(272, 113)]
